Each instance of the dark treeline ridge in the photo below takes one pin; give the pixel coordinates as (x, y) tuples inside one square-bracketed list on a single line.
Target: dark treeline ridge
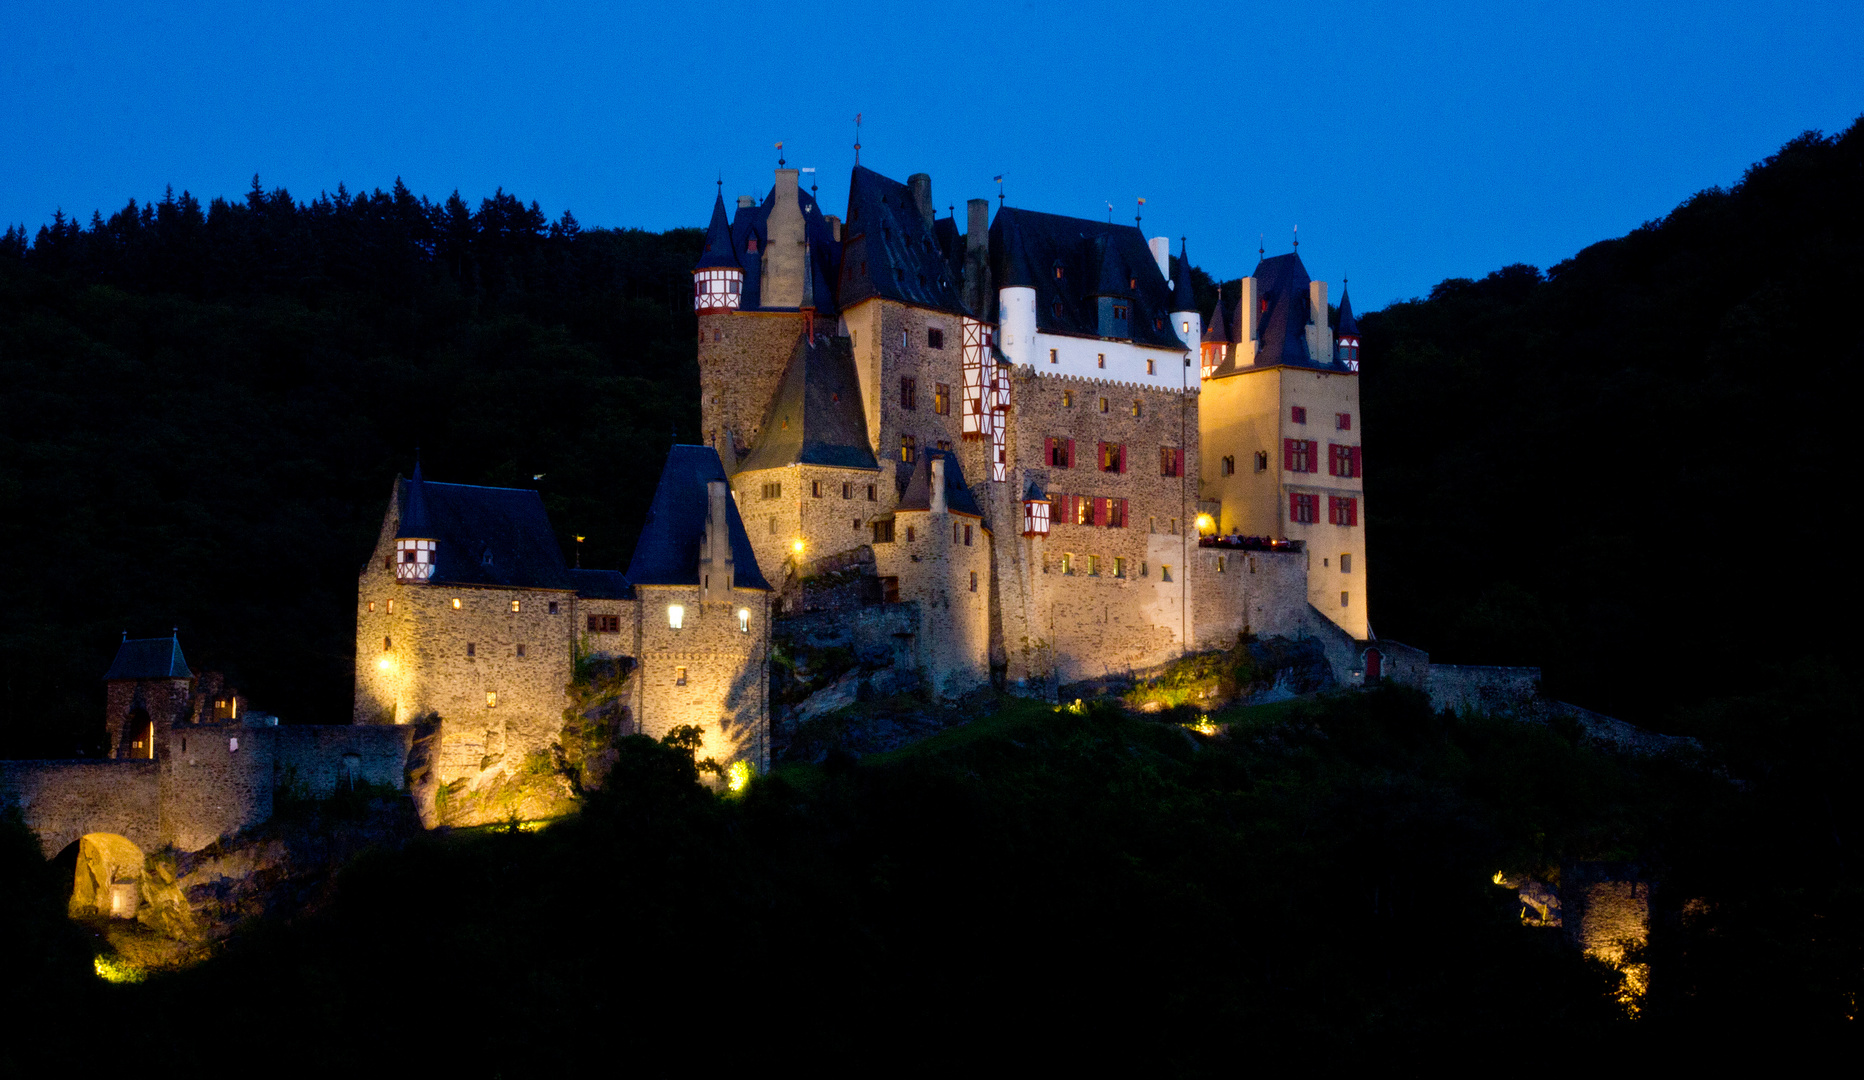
[(1621, 468), (204, 408), (1039, 887)]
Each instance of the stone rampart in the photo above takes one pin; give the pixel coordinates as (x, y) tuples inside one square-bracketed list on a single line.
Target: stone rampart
[(63, 800), (216, 779), (1256, 592), (325, 759), (1470, 688)]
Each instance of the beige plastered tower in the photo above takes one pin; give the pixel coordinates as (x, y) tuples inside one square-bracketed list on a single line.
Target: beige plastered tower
[(1281, 433)]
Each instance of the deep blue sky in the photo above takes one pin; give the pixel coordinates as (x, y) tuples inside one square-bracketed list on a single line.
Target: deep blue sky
[(1409, 145)]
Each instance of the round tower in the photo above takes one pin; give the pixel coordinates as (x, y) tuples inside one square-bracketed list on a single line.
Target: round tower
[(417, 549), (1185, 320), (718, 279)]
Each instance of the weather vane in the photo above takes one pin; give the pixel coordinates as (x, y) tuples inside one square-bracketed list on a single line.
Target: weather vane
[(1297, 238), (1141, 211), (779, 155), (857, 138), (999, 180)]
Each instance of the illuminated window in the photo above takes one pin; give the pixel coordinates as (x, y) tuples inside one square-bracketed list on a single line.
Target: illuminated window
[(514, 605), (456, 603), (676, 616), (1112, 457), (1219, 564), (372, 605), (387, 645), (941, 398), (1054, 355), (491, 699), (1136, 406), (1100, 359), (1067, 562), (1262, 461), (1104, 406), (909, 449), (1067, 399), (1119, 566), (391, 607), (744, 620), (1151, 366), (679, 676)]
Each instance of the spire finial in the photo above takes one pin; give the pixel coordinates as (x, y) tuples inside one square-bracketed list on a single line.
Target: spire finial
[(174, 631), (1297, 238), (1262, 245), (780, 155), (126, 635), (999, 179), (1109, 213), (857, 138), (1139, 213)]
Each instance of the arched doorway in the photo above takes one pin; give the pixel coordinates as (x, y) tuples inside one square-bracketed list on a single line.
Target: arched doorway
[(1374, 666)]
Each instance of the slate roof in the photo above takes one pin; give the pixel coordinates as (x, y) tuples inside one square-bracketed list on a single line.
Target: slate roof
[(414, 521), (601, 584), (719, 250), (890, 251), (1181, 295), (668, 551), (751, 222), (1217, 328), (1026, 247), (487, 535), (816, 416), (1346, 324), (149, 658), (1281, 331), (918, 494)]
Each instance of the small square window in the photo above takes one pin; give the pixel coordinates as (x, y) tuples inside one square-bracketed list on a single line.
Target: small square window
[(472, 649), (514, 605), (1137, 407), (553, 607), (372, 605), (456, 603), (491, 699), (679, 676), (935, 338), (1105, 406), (1298, 414), (1054, 356), (1343, 421), (1067, 399), (1262, 461), (520, 652)]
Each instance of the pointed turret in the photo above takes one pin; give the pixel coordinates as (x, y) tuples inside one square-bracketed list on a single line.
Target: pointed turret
[(1184, 317), (416, 546), (1346, 333), (718, 279), (1113, 292)]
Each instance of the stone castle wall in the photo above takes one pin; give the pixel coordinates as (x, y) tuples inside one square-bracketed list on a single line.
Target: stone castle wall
[(831, 509), (216, 779), (63, 800), (942, 561), (1475, 688), (1254, 592), (709, 672), (741, 359)]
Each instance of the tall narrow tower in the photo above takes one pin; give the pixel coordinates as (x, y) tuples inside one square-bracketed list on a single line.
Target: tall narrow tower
[(718, 279)]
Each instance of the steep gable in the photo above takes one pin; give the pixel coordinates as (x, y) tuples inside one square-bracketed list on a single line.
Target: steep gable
[(890, 250), (816, 417), (668, 551)]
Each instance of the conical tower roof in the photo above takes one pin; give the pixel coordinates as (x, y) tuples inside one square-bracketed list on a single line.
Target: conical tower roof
[(416, 522), (1181, 297), (1347, 324), (719, 250)]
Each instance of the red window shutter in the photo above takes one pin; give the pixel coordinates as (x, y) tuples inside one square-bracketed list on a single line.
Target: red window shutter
[(1122, 513), (1070, 453), (1177, 462), (1287, 455), (1048, 450), (1356, 465), (1333, 459), (1313, 456), (1294, 507), (1352, 511), (1121, 450), (1100, 513), (1100, 456)]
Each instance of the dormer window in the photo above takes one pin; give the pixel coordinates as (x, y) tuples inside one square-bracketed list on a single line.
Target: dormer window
[(750, 245), (1058, 272)]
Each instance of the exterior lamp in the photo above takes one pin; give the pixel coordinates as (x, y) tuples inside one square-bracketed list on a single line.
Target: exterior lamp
[(1205, 526), (676, 615), (744, 620), (385, 663), (797, 545)]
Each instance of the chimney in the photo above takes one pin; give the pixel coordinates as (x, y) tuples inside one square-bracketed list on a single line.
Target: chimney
[(1161, 254), (745, 202), (976, 255), (715, 563), (938, 484), (921, 185), (782, 285)]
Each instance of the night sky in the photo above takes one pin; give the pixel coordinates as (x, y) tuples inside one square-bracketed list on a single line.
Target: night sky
[(1407, 146)]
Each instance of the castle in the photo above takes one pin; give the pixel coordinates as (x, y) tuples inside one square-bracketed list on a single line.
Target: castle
[(1014, 454)]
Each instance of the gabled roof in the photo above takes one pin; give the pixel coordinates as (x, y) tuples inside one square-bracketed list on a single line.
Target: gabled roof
[(668, 551), (816, 416), (149, 658), (601, 584), (1347, 324), (918, 493), (890, 251), (1027, 247), (487, 535), (719, 249), (1182, 298), (751, 223)]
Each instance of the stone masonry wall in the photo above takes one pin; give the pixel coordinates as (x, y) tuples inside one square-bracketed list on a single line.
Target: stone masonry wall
[(725, 671), (942, 561), (1473, 688), (1259, 592), (741, 359), (216, 779), (832, 510), (325, 758), (62, 800)]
